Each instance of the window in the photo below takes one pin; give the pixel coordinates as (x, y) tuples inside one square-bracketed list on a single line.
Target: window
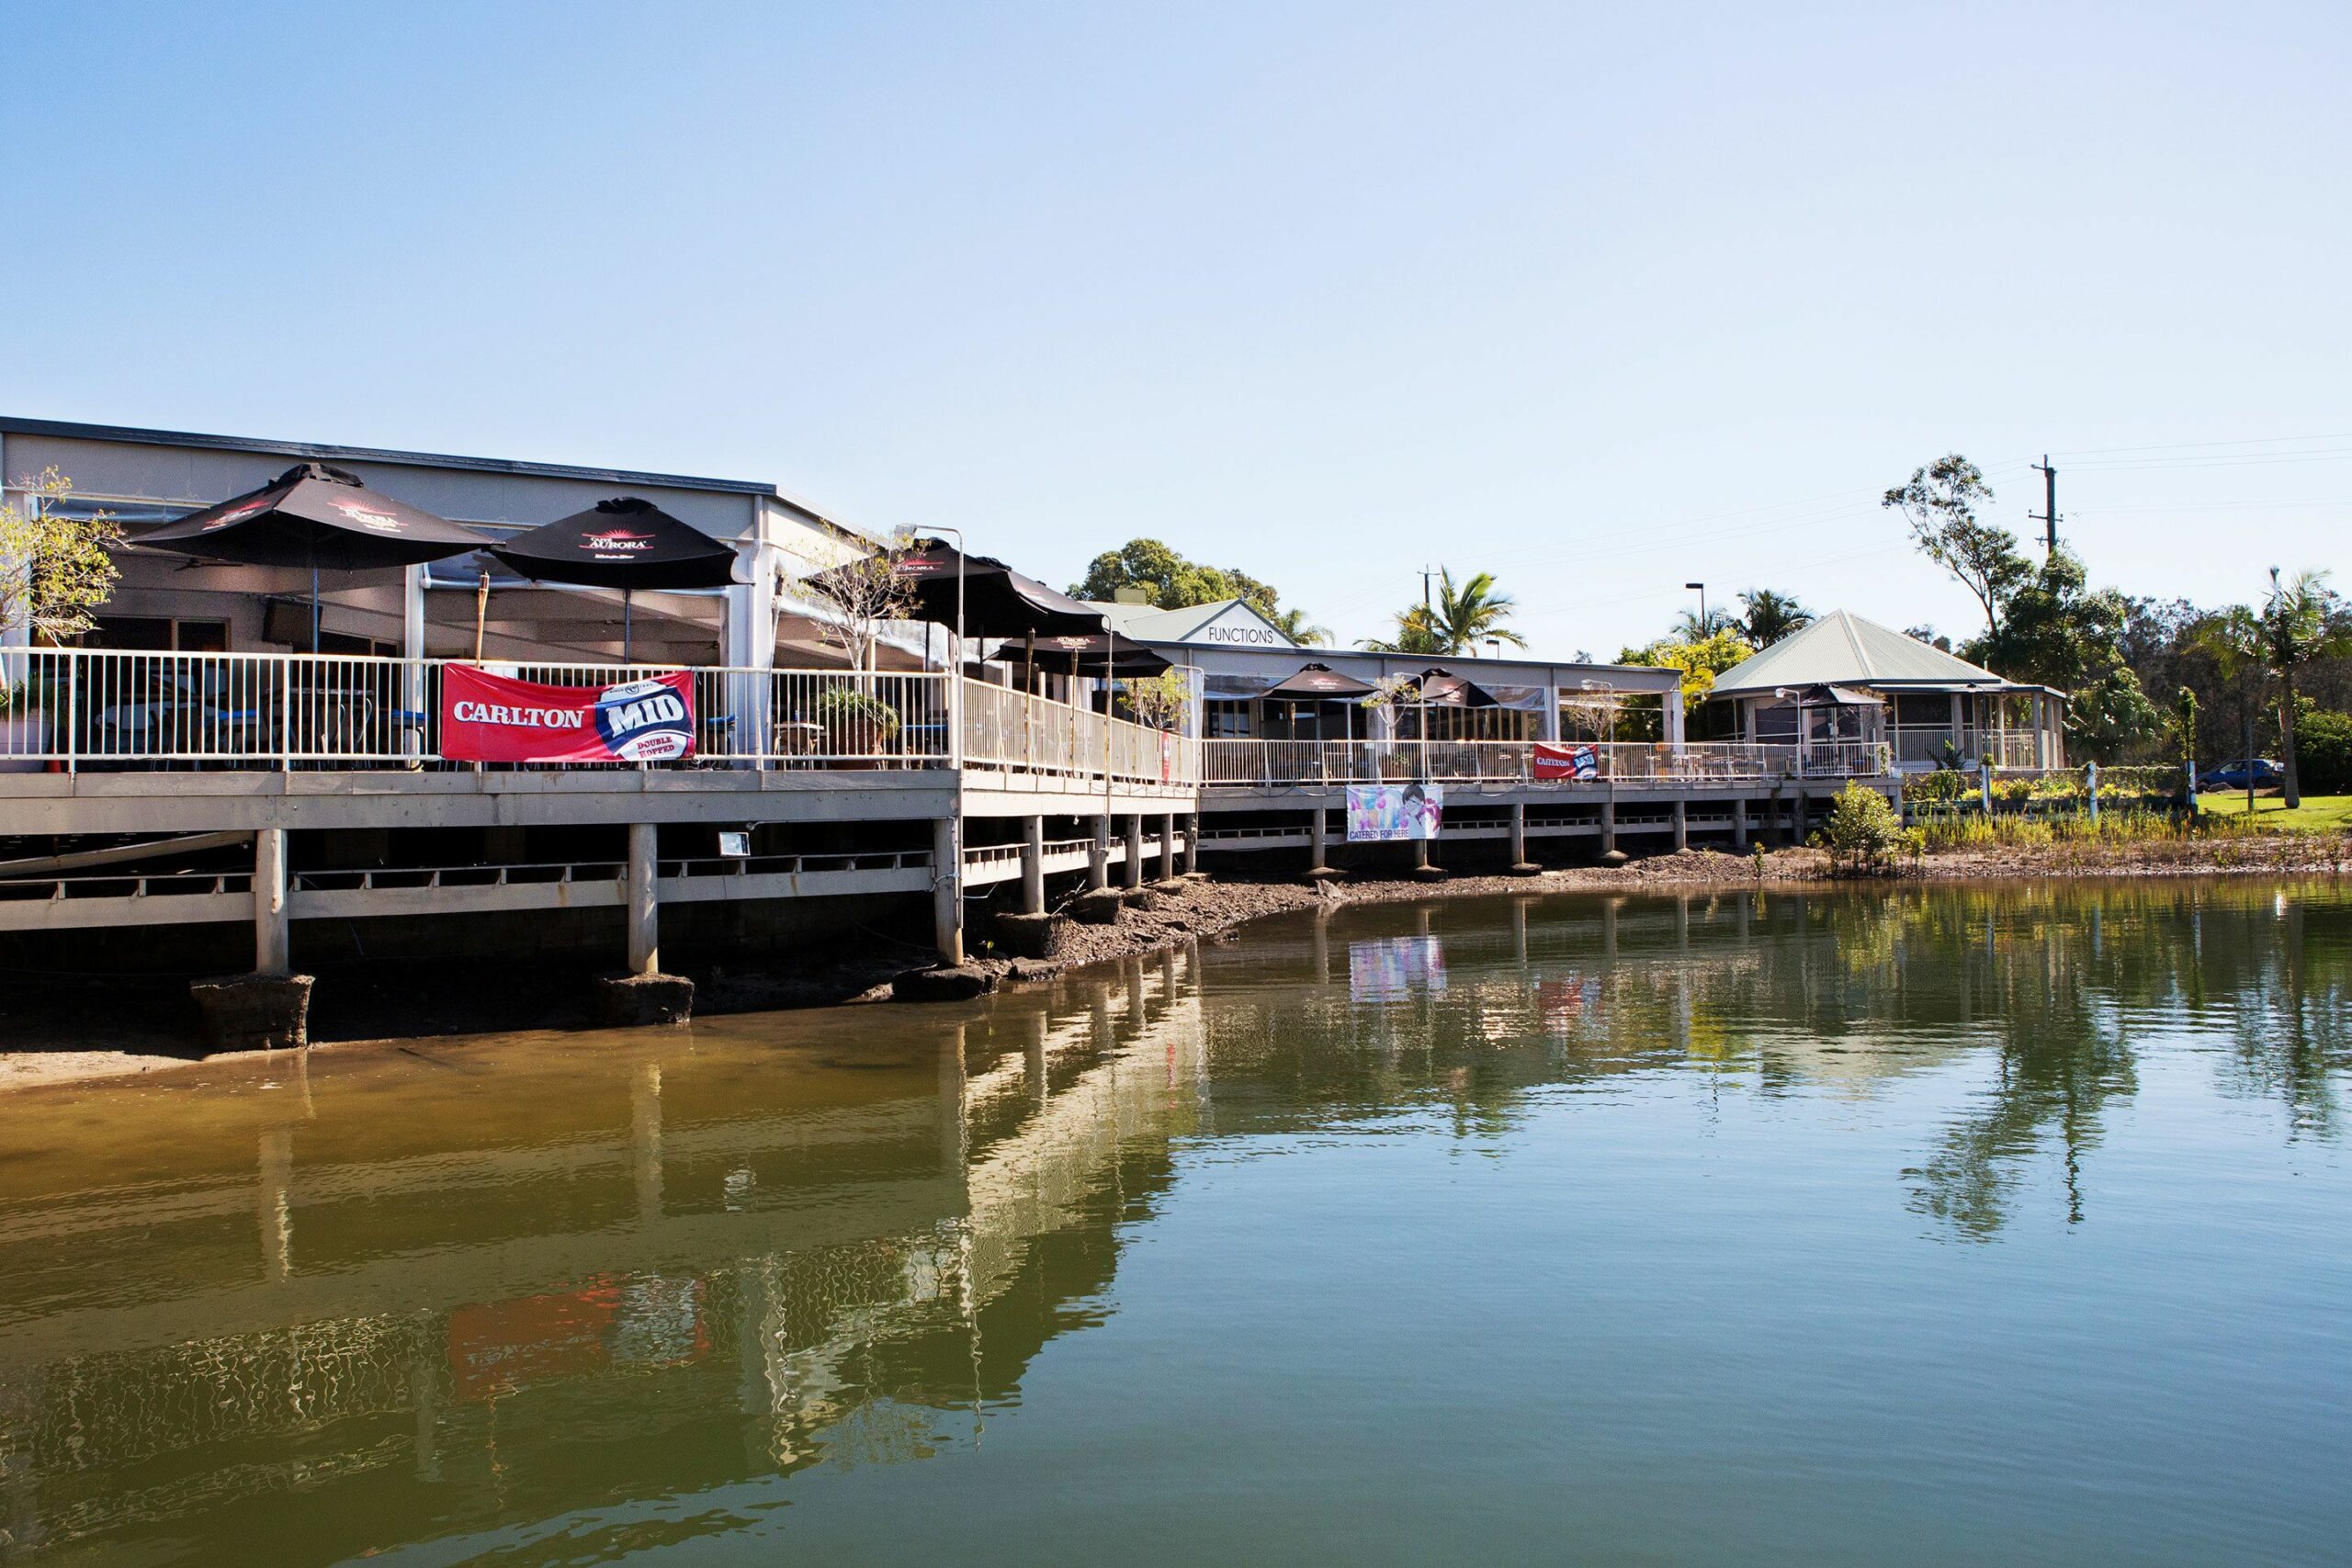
[(158, 634), (1226, 720)]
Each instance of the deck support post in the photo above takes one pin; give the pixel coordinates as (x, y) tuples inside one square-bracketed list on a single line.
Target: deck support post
[(1681, 824), (1134, 877), (1800, 804), (273, 927), (1098, 855), (1520, 864), (948, 889), (1609, 819), (644, 905), (1318, 840), (1032, 865), (1167, 846), (1192, 841), (1739, 822)]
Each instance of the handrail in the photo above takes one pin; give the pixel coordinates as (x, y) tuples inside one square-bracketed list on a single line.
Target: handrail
[(1287, 763), (75, 708)]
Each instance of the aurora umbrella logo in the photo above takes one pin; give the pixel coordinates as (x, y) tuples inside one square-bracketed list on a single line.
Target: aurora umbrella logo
[(615, 541), (644, 721), (369, 517)]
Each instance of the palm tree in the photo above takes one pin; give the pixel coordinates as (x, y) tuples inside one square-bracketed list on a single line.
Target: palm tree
[(1466, 616), (2302, 622), (1772, 617), (1415, 633), (1690, 625), (1295, 626)]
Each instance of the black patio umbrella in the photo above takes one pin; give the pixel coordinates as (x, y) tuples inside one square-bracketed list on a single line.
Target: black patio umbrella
[(318, 516), (995, 601), (1316, 684), (1320, 682), (626, 542), (1443, 689), (1107, 652)]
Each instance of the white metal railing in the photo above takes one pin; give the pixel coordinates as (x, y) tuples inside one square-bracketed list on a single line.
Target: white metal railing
[(2010, 748), (1021, 733), (75, 708), (1286, 763)]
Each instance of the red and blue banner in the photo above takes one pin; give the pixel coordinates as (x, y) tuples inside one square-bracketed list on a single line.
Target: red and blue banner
[(1567, 761), (494, 718)]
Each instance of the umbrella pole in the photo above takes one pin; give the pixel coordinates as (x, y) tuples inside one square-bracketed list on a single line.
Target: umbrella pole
[(314, 604), (481, 611), (628, 628)]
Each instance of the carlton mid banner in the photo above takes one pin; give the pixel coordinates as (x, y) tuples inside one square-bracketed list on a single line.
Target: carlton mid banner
[(491, 718)]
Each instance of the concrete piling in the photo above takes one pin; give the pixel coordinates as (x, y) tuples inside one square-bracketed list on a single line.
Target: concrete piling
[(1032, 865)]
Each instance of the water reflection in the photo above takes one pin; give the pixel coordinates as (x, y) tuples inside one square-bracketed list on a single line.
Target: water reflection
[(558, 1297)]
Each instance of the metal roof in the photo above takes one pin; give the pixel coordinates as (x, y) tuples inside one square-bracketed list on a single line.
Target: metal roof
[(68, 429), (1150, 623), (1841, 649)]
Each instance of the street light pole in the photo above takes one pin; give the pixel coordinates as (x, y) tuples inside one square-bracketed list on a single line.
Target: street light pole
[(1701, 589)]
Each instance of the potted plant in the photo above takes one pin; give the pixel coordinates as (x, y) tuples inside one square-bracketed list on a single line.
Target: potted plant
[(854, 723)]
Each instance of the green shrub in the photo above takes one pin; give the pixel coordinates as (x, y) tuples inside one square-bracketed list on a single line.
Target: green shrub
[(2324, 752), (1863, 830)]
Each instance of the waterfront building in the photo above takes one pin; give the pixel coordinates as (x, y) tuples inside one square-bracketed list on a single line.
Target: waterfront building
[(191, 789), (1846, 681)]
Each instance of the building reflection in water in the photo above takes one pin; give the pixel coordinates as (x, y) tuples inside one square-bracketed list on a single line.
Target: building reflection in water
[(382, 1297)]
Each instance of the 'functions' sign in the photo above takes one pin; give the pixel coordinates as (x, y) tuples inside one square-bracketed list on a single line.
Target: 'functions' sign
[(491, 718), (1238, 626)]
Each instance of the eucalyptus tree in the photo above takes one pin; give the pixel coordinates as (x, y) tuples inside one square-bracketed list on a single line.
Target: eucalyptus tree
[(1940, 502)]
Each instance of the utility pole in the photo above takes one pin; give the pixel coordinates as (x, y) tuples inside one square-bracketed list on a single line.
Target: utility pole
[(1426, 574), (2048, 515)]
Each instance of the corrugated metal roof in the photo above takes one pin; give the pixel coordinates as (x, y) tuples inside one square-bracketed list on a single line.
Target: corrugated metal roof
[(1150, 623), (68, 429), (1841, 649)]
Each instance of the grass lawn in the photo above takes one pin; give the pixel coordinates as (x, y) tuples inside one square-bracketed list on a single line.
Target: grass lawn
[(2319, 813)]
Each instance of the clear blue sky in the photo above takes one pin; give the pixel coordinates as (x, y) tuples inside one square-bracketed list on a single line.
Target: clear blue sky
[(1601, 299)]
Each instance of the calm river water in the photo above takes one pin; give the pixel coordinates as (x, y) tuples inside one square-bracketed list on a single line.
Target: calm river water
[(1948, 1226)]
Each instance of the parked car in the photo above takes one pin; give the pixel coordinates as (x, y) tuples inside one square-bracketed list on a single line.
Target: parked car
[(2233, 775)]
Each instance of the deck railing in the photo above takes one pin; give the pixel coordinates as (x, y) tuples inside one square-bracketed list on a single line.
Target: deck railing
[(1019, 733), (1287, 762), (72, 709)]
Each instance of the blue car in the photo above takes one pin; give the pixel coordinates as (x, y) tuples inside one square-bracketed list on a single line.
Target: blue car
[(2233, 775)]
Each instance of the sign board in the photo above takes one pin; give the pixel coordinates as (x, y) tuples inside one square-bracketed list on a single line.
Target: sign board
[(494, 718), (1379, 814), (1239, 625), (1567, 761)]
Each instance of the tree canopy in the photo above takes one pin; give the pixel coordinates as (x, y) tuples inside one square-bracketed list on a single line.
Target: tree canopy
[(1171, 580), (1939, 502)]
